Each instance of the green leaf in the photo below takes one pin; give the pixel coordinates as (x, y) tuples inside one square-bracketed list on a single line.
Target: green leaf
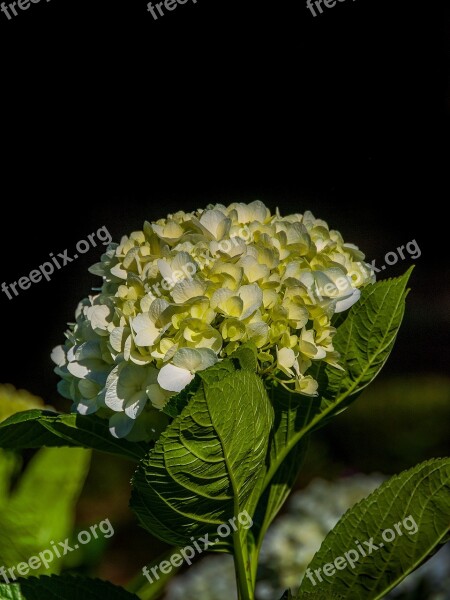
[(11, 592), (205, 468), (397, 527), (288, 410), (242, 358), (217, 372), (36, 428), (63, 587), (176, 403), (246, 356), (364, 339), (41, 507)]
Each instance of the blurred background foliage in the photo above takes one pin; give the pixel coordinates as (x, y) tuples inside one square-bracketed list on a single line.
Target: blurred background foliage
[(39, 492)]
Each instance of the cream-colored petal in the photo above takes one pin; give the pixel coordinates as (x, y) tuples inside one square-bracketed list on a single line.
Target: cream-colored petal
[(117, 338), (174, 379), (346, 303), (58, 356), (187, 289), (99, 316), (252, 297), (146, 331), (216, 223), (252, 269), (194, 359)]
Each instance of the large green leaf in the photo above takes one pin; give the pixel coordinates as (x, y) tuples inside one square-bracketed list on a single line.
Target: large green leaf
[(364, 339), (206, 467), (36, 428), (41, 507), (397, 527), (289, 410), (63, 587)]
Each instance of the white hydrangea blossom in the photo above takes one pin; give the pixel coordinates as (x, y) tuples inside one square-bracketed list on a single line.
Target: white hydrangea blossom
[(188, 290)]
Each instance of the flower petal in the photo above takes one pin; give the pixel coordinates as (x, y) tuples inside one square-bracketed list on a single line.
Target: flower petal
[(146, 331), (58, 356), (98, 315), (120, 425), (156, 394), (346, 303), (194, 359), (135, 405), (252, 297), (77, 370), (174, 379), (186, 289), (215, 223), (85, 407)]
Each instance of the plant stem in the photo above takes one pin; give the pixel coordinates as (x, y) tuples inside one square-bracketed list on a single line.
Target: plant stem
[(243, 568)]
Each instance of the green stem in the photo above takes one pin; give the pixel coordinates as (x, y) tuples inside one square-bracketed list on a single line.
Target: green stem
[(254, 564), (151, 591), (243, 568)]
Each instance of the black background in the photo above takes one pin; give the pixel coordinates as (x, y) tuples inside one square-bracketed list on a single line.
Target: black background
[(110, 118)]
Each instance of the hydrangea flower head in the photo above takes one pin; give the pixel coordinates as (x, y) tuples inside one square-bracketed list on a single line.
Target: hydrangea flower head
[(188, 290)]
